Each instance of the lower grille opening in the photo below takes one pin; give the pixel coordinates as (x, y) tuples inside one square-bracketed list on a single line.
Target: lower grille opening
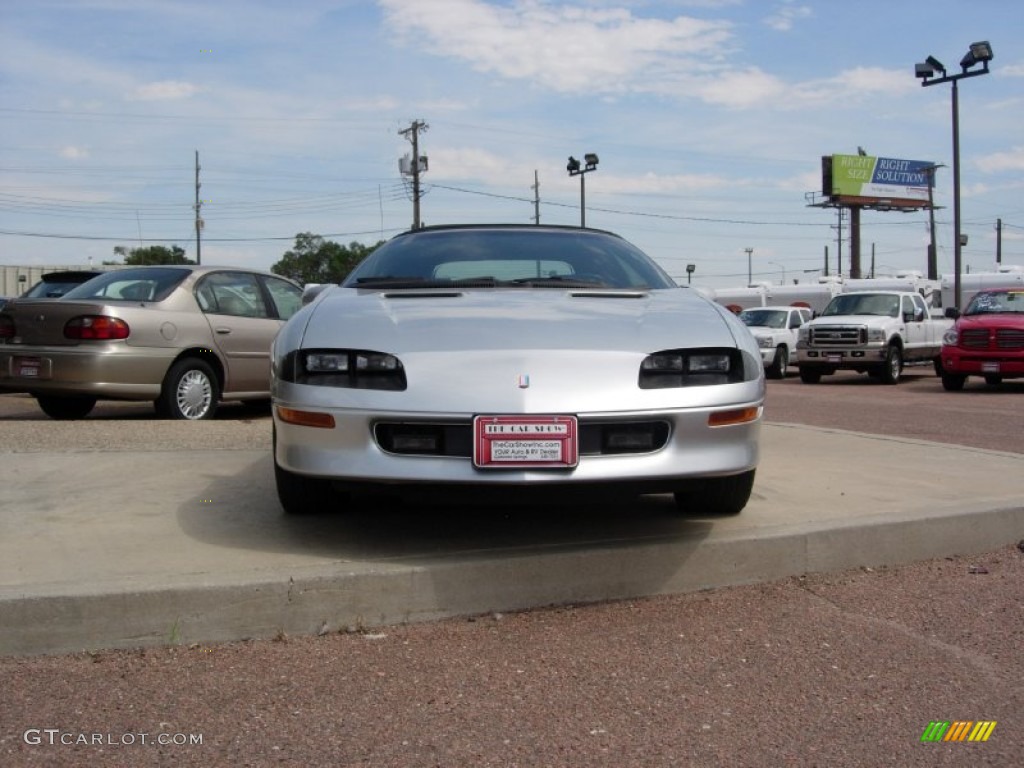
[(609, 438)]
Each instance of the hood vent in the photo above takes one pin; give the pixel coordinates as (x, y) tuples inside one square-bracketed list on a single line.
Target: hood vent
[(608, 294), (424, 295)]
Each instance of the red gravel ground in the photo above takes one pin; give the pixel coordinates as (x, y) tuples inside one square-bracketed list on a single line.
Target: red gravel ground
[(823, 670)]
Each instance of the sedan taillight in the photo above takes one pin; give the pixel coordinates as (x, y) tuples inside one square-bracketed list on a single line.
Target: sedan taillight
[(96, 327)]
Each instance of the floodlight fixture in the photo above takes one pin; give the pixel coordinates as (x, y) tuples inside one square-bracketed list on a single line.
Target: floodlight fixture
[(935, 64), (575, 168), (977, 53)]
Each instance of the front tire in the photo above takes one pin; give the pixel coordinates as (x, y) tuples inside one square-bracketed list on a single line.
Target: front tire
[(953, 382), (66, 408), (190, 391), (777, 370), (716, 495), (809, 375), (893, 366)]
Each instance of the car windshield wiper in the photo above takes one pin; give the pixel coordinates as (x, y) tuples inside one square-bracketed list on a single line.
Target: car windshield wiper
[(561, 281), (393, 282)]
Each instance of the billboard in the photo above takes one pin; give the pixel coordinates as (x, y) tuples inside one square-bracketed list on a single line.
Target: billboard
[(870, 180)]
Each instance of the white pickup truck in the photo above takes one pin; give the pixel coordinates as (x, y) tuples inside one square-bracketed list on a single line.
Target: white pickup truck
[(775, 329), (877, 332)]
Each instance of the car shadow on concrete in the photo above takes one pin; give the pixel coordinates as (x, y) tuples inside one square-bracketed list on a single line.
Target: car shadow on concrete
[(242, 512)]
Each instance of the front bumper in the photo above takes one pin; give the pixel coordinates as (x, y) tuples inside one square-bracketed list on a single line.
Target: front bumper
[(838, 357), (349, 452), (982, 363)]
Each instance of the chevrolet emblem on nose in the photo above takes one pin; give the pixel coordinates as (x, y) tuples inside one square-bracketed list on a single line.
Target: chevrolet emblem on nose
[(524, 381)]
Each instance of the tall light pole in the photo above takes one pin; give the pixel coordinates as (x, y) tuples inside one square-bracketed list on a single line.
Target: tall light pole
[(575, 168), (978, 53), (750, 271)]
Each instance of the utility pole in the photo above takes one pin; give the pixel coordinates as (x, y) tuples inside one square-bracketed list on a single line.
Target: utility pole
[(536, 198), (750, 276), (412, 133), (999, 241), (199, 219), (933, 257), (839, 244)]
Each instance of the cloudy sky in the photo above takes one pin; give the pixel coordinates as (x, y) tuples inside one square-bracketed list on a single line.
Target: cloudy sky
[(710, 118)]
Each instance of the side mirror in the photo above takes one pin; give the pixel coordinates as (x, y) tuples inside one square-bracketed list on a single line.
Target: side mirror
[(952, 313), (312, 290)]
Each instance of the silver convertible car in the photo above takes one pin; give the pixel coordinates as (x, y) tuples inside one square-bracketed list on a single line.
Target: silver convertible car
[(183, 337), (503, 358)]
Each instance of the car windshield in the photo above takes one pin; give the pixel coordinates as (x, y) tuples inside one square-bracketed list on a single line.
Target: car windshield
[(143, 284), (997, 302), (764, 318), (530, 257), (885, 304)]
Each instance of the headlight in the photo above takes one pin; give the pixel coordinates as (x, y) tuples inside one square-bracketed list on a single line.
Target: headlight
[(351, 368), (765, 341), (690, 368), (951, 337), (803, 334), (876, 334)]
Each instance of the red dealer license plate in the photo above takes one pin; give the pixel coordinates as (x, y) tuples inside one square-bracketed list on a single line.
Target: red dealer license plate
[(522, 442)]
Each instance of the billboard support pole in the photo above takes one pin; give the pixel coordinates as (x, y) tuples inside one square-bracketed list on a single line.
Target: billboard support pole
[(855, 241)]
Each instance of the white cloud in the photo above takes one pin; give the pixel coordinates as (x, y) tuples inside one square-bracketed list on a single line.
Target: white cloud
[(164, 90), (564, 48), (74, 153), (786, 15), (743, 88), (1003, 161)]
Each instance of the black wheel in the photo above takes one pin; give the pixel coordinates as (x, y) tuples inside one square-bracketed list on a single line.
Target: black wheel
[(66, 408), (301, 495), (893, 366), (953, 382), (716, 495), (777, 370), (190, 391), (937, 363), (809, 375), (993, 379)]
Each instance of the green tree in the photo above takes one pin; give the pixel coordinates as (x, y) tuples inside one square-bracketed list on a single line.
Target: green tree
[(315, 260), (153, 254)]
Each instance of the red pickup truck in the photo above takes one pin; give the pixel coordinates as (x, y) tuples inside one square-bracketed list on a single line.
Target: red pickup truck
[(986, 340)]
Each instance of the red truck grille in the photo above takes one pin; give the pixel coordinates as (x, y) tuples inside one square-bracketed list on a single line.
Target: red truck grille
[(984, 338)]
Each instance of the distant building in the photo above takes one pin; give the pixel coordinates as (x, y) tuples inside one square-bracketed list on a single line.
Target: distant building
[(15, 280)]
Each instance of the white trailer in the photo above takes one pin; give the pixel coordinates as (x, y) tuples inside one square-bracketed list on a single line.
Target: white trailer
[(1004, 276)]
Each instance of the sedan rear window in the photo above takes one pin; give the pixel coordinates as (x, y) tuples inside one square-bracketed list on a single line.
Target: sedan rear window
[(149, 284)]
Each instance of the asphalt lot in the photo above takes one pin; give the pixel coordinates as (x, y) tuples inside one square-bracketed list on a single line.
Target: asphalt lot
[(829, 669)]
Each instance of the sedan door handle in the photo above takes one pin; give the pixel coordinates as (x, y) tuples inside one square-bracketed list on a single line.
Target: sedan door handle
[(222, 329)]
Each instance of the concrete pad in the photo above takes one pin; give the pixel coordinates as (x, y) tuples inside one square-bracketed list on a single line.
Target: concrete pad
[(121, 549)]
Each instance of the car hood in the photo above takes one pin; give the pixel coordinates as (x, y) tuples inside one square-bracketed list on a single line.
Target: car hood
[(515, 319), (991, 320), (850, 319)]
